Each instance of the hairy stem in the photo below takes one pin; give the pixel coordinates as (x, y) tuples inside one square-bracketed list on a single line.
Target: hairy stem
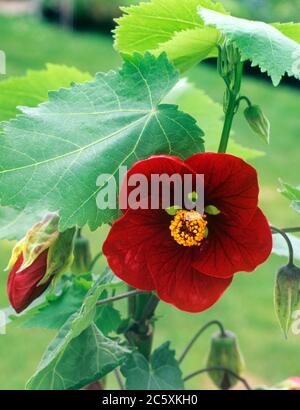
[(199, 333)]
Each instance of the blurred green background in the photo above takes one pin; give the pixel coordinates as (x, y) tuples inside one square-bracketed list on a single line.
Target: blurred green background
[(247, 308)]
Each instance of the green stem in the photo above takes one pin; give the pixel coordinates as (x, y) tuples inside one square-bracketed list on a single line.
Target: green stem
[(288, 242), (218, 369), (291, 230), (199, 333), (120, 297), (231, 108), (141, 310)]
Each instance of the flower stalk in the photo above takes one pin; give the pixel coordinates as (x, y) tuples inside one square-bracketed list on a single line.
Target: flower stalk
[(218, 369)]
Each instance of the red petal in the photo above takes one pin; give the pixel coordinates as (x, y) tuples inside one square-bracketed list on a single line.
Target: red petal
[(128, 243), (159, 164), (230, 184), (178, 283), (231, 249), (22, 286)]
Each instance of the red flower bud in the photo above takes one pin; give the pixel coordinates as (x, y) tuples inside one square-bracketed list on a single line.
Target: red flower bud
[(23, 286)]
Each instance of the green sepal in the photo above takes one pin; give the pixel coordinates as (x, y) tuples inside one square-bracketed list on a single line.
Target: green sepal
[(39, 238), (60, 256)]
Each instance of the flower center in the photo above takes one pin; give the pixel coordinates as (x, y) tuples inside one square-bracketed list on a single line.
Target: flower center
[(188, 228)]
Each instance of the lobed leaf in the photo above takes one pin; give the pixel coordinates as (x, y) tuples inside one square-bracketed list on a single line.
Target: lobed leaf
[(52, 156), (162, 372), (172, 26), (33, 88)]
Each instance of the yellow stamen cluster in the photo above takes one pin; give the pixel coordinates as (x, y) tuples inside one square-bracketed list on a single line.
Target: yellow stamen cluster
[(188, 228)]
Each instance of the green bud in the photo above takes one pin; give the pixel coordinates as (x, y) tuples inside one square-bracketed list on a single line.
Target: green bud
[(258, 122), (82, 255), (225, 352), (287, 295)]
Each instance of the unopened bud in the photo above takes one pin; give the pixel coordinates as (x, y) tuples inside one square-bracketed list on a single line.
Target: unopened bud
[(287, 295), (258, 122), (82, 255), (225, 353)]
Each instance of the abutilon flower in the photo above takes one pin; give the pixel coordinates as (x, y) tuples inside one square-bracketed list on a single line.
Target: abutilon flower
[(189, 258), (23, 286)]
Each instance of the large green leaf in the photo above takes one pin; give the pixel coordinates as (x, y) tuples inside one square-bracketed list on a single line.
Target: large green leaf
[(52, 155), (78, 333), (170, 25), (259, 42), (30, 90), (161, 373), (194, 101), (63, 302), (58, 307), (87, 358), (33, 88)]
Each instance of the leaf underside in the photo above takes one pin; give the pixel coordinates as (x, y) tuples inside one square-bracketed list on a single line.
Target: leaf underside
[(261, 43)]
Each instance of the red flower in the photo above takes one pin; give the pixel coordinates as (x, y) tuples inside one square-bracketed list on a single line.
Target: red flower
[(22, 286), (145, 247)]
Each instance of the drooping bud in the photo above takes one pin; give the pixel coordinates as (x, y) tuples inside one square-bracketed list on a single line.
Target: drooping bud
[(287, 295), (37, 259), (22, 286), (258, 122), (225, 353), (82, 255)]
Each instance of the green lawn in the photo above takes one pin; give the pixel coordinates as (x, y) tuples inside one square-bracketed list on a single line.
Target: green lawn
[(247, 307)]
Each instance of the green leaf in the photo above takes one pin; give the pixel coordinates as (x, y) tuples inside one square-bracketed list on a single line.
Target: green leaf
[(15, 223), (161, 373), (172, 26), (292, 193), (194, 101), (291, 30), (32, 89), (52, 156), (259, 42), (58, 308), (88, 357), (79, 341), (107, 317)]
